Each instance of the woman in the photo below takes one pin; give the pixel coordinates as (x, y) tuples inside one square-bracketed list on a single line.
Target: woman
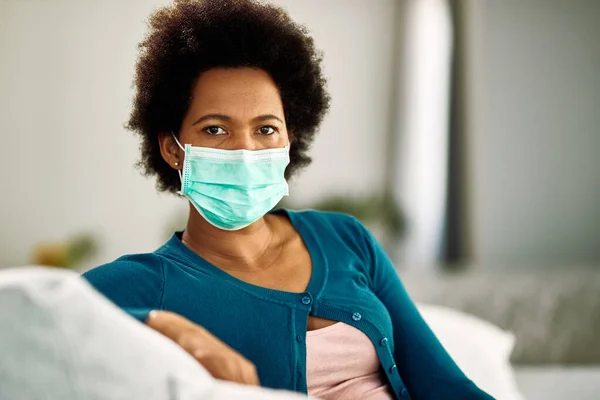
[(229, 96)]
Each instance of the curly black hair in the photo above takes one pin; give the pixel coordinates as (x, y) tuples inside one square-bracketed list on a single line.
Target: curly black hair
[(189, 37)]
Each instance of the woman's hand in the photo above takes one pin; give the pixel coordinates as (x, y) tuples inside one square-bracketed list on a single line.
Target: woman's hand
[(221, 361)]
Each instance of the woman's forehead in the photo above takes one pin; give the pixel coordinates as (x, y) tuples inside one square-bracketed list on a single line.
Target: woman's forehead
[(241, 93)]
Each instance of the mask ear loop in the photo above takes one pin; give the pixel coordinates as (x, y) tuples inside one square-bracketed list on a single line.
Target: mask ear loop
[(179, 171)]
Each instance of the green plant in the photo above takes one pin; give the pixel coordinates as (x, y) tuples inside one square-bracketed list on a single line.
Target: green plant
[(66, 254)]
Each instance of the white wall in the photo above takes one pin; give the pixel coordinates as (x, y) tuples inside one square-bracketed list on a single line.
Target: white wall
[(534, 139), (67, 164)]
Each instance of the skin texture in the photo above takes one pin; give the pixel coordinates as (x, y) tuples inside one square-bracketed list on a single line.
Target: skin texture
[(245, 112)]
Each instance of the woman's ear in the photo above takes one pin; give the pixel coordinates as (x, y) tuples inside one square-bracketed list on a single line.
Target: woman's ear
[(170, 150)]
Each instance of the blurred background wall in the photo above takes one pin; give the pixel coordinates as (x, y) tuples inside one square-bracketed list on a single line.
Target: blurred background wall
[(530, 182), (65, 78), (534, 132)]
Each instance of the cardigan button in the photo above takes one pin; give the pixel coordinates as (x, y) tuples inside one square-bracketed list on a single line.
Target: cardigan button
[(356, 316), (383, 341), (306, 300), (393, 369), (404, 393)]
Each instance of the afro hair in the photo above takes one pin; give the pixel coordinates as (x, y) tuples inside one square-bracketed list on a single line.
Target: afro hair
[(189, 37)]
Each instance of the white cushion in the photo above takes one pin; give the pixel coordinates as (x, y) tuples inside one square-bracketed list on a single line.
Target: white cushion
[(480, 349), (61, 340)]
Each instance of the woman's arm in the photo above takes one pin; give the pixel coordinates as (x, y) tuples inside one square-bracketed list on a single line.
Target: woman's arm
[(426, 368), (135, 284)]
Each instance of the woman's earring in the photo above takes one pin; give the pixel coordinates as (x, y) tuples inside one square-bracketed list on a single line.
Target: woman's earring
[(177, 163)]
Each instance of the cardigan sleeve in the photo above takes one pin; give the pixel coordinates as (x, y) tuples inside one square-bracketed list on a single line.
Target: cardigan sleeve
[(134, 283), (427, 370)]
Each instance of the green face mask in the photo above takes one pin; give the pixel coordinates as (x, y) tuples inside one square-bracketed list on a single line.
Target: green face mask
[(232, 189)]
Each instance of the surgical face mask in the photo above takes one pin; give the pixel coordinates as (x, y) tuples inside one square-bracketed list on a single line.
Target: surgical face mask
[(232, 189)]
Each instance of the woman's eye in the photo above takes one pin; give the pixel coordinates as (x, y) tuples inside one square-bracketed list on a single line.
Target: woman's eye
[(214, 131), (266, 130)]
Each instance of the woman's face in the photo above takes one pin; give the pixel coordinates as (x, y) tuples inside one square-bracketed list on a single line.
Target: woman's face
[(235, 109)]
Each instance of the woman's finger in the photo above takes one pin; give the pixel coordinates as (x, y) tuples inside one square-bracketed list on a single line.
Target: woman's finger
[(169, 324), (253, 376)]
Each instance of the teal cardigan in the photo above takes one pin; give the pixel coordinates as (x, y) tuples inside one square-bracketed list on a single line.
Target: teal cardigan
[(352, 281)]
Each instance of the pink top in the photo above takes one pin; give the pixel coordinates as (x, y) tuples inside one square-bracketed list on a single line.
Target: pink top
[(341, 364)]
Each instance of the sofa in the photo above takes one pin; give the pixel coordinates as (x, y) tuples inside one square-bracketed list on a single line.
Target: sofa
[(553, 314)]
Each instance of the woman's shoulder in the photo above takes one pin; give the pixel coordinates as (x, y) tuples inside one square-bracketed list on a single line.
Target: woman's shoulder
[(134, 280), (331, 219), (333, 227), (131, 267), (129, 264)]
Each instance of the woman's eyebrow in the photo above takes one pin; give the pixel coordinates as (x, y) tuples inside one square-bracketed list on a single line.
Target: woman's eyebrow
[(227, 118), (266, 117), (212, 116)]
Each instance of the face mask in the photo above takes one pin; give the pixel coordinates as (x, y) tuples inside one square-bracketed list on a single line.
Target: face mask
[(232, 189)]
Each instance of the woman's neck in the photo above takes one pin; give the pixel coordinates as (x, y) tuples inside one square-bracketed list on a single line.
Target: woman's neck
[(242, 249)]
